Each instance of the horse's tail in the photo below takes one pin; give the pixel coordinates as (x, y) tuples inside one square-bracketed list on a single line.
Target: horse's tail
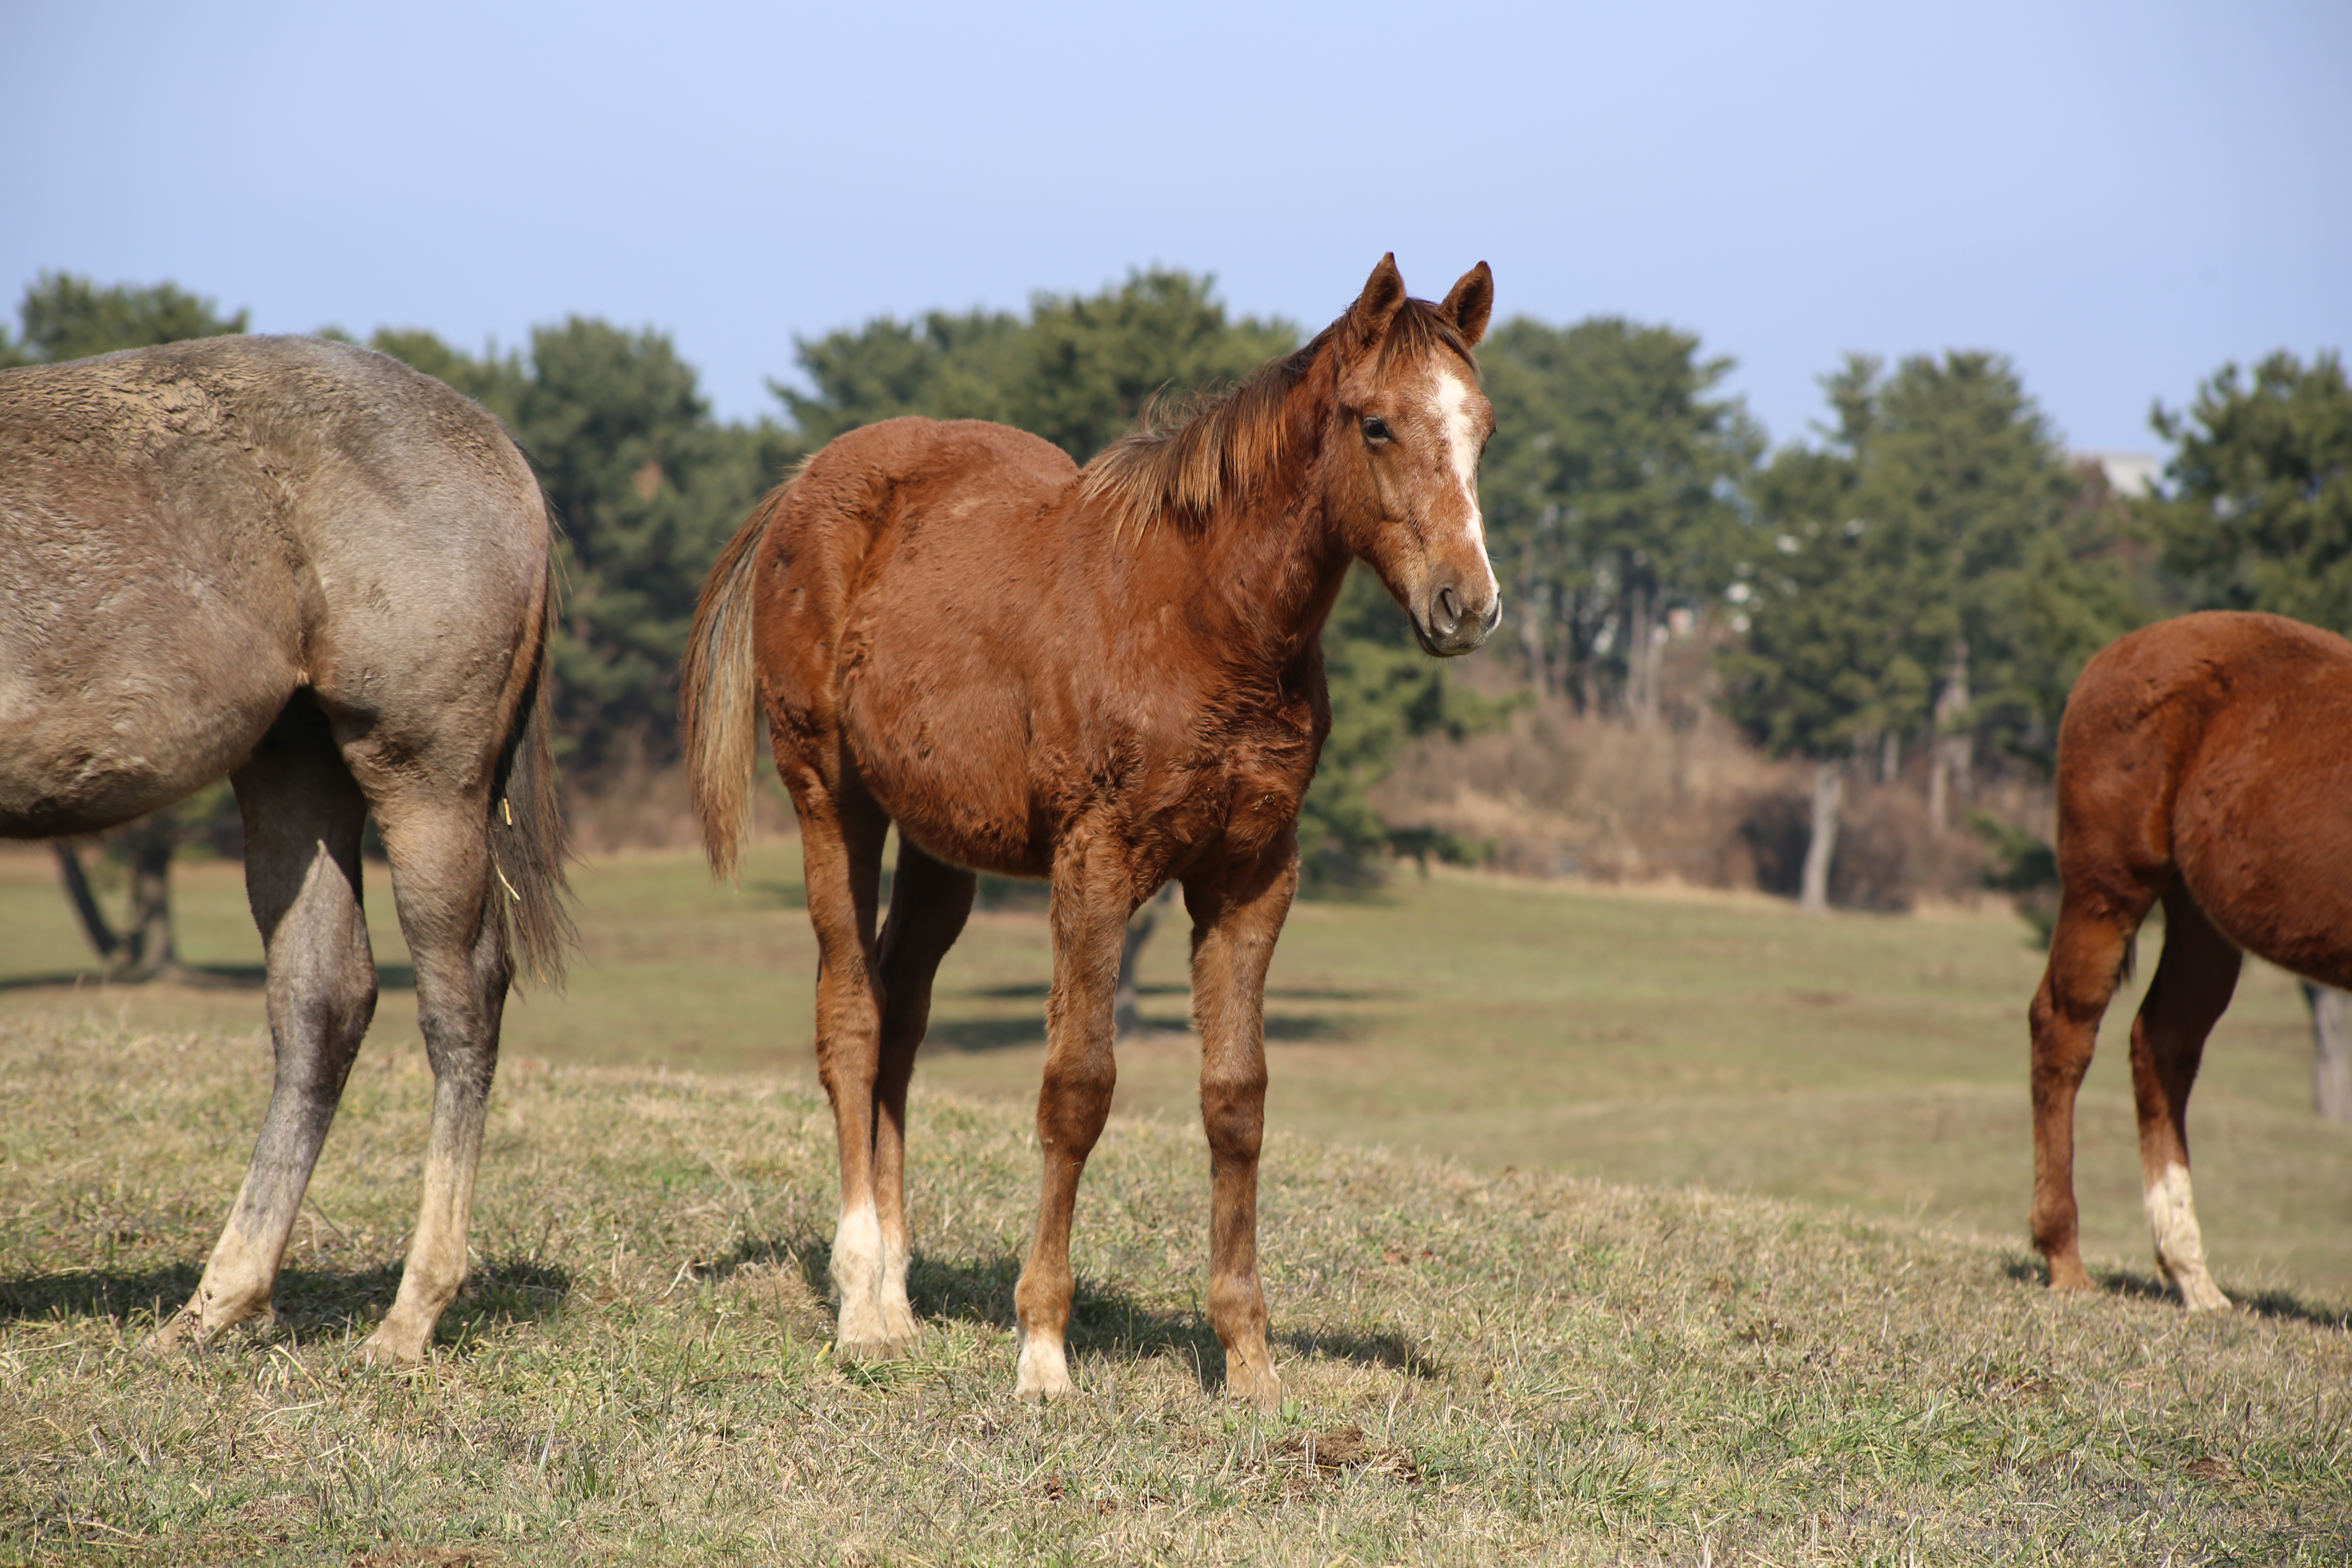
[(527, 835), (716, 704)]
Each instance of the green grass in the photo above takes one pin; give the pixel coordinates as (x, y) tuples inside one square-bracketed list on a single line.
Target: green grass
[(1871, 1061), (1483, 1367)]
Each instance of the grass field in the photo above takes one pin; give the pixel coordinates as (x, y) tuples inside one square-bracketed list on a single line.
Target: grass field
[(1876, 1062), (1482, 1367)]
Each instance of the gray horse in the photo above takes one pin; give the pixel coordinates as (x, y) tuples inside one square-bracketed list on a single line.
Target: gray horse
[(307, 567)]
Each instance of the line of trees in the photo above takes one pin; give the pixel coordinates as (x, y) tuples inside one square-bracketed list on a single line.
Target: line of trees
[(1925, 575)]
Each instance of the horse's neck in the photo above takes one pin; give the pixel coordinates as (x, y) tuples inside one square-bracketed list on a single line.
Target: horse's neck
[(1269, 565)]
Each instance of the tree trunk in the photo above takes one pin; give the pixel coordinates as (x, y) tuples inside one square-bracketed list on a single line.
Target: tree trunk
[(149, 948), (1890, 756), (1641, 700), (1531, 640), (1654, 664), (1127, 1021), (1828, 794), (85, 901), (1954, 750), (2331, 1051)]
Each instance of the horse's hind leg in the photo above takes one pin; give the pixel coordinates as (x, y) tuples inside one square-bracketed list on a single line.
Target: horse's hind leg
[(2191, 988), (930, 901), (2087, 954), (842, 831), (442, 879), (303, 816)]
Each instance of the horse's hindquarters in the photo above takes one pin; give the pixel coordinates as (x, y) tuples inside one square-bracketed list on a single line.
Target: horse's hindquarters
[(902, 602)]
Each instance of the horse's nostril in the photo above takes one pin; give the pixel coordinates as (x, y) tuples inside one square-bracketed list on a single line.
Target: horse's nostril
[(1450, 605)]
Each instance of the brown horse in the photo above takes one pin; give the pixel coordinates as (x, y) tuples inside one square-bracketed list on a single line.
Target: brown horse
[(2205, 763), (310, 568), (1109, 679)]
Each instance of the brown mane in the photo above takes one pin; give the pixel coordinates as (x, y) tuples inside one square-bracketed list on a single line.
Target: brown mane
[(1187, 456)]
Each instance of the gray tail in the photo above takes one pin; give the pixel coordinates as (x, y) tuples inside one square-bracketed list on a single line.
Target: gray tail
[(529, 838)]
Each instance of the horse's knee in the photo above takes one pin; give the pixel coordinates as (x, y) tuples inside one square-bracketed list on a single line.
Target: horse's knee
[(1075, 1102), (1233, 1113)]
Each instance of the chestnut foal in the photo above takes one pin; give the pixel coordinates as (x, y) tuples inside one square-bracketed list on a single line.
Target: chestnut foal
[(2202, 762), (1108, 679)]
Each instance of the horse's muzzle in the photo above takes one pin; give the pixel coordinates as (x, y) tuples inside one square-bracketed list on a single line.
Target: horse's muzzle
[(1449, 622)]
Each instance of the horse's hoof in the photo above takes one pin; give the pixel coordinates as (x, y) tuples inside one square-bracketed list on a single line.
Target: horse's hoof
[(1045, 1372), (1260, 1388), (183, 1330), (2203, 1296), (1043, 1390), (880, 1347), (188, 1330), (387, 1350), (2067, 1274)]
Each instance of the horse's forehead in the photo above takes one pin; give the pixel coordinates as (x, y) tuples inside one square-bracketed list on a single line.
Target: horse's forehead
[(1445, 385)]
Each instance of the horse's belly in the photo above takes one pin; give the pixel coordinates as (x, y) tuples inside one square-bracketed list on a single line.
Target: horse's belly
[(118, 749), (2261, 831), (948, 761), (112, 708)]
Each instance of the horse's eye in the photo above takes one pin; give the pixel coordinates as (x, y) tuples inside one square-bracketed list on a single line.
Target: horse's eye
[(1375, 430)]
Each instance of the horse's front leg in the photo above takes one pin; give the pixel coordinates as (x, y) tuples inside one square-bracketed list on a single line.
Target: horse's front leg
[(1092, 900), (1237, 914), (303, 814)]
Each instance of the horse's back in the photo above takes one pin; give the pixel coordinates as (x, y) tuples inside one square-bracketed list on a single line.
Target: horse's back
[(2217, 745), (190, 533)]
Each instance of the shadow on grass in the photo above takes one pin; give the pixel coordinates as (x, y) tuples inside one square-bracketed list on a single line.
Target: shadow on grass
[(310, 1303), (976, 1034), (1038, 990), (983, 1033), (1392, 1351), (197, 976), (97, 1292), (1106, 1321), (2131, 1283)]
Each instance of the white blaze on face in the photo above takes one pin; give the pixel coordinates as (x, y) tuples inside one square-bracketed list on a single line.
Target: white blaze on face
[(1461, 436)]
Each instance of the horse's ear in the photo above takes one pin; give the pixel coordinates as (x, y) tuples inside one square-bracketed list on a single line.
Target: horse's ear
[(1472, 301), (1376, 307)]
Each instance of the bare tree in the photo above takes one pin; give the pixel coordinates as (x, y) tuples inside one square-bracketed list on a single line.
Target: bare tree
[(146, 947), (2331, 1051), (1127, 1021), (1821, 846)]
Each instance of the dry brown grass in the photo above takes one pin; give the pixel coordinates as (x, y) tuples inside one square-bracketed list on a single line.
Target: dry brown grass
[(1517, 1368)]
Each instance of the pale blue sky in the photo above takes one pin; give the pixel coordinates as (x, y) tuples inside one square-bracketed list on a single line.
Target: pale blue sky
[(2119, 196)]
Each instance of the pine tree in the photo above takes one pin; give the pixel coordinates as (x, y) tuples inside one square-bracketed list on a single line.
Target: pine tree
[(2260, 517), (1611, 489)]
